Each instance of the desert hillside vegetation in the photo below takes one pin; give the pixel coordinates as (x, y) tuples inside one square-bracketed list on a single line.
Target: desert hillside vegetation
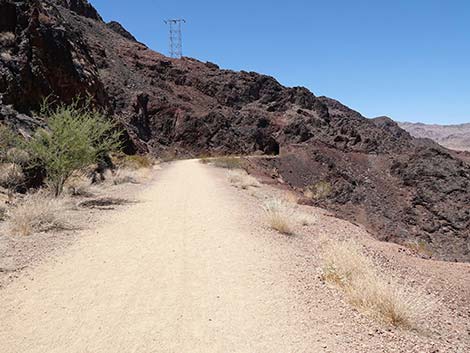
[(75, 155)]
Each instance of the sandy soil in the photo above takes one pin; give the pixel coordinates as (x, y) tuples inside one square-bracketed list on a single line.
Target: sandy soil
[(19, 254), (193, 268)]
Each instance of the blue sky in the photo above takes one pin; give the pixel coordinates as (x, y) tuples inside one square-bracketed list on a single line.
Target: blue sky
[(408, 59)]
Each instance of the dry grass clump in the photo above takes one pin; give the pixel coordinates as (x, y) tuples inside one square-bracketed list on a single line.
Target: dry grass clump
[(389, 302), (37, 213), (306, 219), (227, 162), (122, 176), (79, 185), (130, 169), (11, 175), (242, 179), (7, 38), (204, 160), (18, 156), (344, 261), (379, 297), (168, 155), (278, 216), (127, 176), (419, 246), (290, 197), (6, 56)]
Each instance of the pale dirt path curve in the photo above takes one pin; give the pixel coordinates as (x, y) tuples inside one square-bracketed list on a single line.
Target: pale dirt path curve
[(178, 272)]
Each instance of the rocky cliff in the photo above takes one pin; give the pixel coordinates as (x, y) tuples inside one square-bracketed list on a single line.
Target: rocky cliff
[(374, 172)]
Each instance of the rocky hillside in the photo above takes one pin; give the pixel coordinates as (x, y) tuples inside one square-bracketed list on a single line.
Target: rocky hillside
[(456, 137), (368, 171)]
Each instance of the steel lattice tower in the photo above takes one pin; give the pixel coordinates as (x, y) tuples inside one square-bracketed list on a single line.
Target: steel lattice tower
[(175, 37)]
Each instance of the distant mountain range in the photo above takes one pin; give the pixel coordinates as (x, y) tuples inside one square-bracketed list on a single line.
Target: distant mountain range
[(456, 137)]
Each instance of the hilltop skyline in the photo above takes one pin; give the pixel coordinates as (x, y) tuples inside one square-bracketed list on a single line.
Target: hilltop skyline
[(405, 60)]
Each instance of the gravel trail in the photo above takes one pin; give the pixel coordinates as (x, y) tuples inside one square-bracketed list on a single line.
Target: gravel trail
[(180, 271)]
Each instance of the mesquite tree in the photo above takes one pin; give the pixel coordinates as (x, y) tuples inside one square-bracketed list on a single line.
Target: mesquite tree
[(75, 138)]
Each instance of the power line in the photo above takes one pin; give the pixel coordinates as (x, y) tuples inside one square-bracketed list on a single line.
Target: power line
[(175, 37)]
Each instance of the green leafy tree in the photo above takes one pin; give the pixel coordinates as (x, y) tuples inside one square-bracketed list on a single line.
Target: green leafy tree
[(75, 138)]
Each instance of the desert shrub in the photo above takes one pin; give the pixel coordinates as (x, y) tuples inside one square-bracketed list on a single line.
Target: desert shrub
[(227, 162), (3, 213), (7, 39), (278, 216), (18, 156), (134, 161), (379, 297), (168, 155), (11, 176), (242, 179), (37, 213), (75, 138), (13, 159), (8, 140), (6, 56)]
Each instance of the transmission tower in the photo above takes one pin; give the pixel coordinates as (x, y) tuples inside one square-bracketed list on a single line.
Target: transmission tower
[(175, 37)]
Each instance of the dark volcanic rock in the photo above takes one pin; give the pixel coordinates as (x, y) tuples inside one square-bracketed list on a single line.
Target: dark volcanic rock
[(45, 58), (118, 28), (81, 7), (369, 171), (399, 197)]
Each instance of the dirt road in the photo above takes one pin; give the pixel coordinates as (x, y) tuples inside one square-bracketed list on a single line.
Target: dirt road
[(180, 271)]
